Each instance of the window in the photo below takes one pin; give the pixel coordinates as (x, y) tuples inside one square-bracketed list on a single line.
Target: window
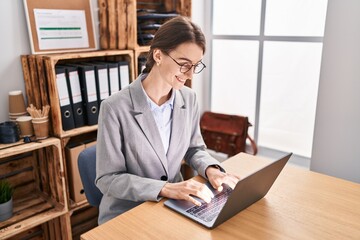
[(265, 62)]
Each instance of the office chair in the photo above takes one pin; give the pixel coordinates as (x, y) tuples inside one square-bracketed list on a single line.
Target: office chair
[(87, 170)]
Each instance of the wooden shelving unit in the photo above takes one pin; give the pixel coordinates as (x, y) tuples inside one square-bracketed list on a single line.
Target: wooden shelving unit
[(140, 51), (50, 62), (36, 171), (40, 80)]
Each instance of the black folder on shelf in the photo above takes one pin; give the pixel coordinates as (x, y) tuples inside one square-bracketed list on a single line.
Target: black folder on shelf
[(101, 79), (89, 92), (113, 74), (124, 70), (114, 77), (145, 38), (155, 15), (76, 97), (67, 116), (149, 26)]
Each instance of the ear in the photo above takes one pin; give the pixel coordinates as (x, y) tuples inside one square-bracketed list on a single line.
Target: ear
[(157, 55)]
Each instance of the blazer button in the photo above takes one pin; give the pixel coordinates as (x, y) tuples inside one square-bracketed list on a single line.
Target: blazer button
[(164, 178)]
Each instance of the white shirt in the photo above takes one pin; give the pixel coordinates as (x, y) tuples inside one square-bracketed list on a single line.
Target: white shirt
[(163, 118)]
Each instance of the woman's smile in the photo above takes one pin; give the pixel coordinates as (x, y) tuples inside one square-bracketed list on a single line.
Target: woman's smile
[(180, 80)]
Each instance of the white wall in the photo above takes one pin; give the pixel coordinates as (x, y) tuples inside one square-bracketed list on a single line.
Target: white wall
[(14, 41), (336, 146)]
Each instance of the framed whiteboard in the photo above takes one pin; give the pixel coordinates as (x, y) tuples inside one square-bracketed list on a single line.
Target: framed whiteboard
[(60, 26)]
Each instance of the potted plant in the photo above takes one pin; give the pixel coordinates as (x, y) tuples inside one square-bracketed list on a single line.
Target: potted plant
[(6, 201)]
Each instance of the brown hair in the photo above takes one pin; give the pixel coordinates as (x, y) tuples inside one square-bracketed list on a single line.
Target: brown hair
[(173, 33)]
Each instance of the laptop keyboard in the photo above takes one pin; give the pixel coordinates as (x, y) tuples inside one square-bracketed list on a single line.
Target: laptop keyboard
[(208, 211)]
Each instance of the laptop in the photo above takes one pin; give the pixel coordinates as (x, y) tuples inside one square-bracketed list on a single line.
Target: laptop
[(228, 202)]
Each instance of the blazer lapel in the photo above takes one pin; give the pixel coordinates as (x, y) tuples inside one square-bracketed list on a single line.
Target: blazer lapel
[(146, 122)]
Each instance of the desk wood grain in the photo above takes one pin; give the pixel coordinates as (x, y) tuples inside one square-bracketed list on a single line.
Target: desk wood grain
[(300, 205)]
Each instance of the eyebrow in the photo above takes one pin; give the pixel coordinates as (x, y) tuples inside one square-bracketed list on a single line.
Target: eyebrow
[(188, 60)]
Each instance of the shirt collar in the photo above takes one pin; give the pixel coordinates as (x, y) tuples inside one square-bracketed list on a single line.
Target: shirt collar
[(153, 105)]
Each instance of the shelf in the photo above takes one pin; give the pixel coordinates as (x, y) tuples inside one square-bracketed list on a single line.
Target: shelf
[(90, 54), (138, 51), (141, 49), (36, 171), (78, 131), (8, 145), (79, 205), (30, 212), (22, 147)]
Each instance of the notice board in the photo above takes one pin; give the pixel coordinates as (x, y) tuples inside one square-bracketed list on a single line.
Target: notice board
[(60, 25)]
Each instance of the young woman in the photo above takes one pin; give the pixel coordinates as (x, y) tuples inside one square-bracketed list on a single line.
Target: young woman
[(149, 127)]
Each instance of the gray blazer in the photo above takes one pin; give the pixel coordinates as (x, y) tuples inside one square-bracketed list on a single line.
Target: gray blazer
[(131, 164)]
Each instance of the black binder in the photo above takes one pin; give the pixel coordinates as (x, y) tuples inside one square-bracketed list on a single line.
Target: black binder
[(102, 80), (113, 73), (114, 77), (89, 93), (76, 100), (124, 70), (67, 116)]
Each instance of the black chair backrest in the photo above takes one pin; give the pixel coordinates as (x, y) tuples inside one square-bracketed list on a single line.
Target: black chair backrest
[(87, 169)]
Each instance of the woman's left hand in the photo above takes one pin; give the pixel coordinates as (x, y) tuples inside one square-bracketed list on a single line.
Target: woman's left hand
[(217, 178)]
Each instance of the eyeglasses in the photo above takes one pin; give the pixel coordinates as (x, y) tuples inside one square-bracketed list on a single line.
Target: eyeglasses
[(185, 67)]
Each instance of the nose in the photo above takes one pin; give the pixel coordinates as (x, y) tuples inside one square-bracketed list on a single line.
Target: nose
[(190, 73)]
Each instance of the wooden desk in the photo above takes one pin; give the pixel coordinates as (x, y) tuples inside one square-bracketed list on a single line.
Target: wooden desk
[(300, 205)]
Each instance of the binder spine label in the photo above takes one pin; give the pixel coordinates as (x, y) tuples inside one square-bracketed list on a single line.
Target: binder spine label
[(91, 86), (103, 83), (62, 89), (75, 87), (124, 75), (114, 80)]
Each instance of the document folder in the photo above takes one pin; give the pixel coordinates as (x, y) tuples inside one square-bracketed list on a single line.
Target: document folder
[(102, 81), (76, 98), (114, 77), (89, 93), (67, 117), (124, 74)]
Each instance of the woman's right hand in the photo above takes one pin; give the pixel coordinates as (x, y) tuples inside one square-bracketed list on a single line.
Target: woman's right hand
[(185, 190)]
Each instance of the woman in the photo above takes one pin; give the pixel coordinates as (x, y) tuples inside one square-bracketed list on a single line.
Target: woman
[(149, 127)]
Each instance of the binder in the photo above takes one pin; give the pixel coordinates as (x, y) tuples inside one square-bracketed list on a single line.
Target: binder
[(102, 80), (89, 93), (67, 117), (76, 101), (124, 74), (114, 77), (113, 73)]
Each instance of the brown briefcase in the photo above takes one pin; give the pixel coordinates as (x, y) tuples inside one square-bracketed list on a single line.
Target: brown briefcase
[(226, 133)]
